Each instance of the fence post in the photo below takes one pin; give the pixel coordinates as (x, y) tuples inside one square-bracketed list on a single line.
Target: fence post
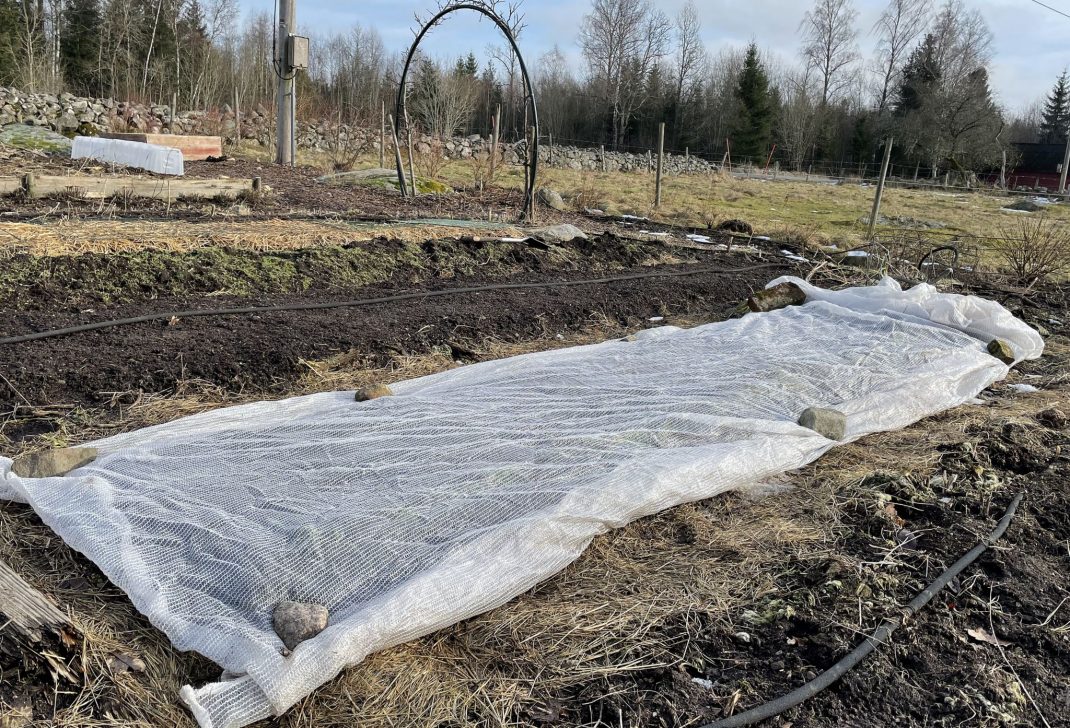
[(661, 156), (1066, 163), (602, 157), (493, 144), (880, 189), (237, 120), (174, 103), (412, 168), (397, 158), (382, 137)]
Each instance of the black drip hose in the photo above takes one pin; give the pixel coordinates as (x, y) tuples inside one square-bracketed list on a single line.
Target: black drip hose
[(879, 637), (167, 316)]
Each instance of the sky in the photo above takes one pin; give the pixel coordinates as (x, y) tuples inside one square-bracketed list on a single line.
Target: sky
[(1032, 43)]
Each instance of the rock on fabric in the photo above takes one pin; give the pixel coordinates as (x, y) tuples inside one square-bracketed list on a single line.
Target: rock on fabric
[(405, 514)]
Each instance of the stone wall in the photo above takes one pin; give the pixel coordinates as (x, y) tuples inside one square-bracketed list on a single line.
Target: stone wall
[(69, 114)]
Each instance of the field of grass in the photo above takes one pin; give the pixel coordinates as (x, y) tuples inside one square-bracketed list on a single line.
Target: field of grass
[(831, 212), (817, 210)]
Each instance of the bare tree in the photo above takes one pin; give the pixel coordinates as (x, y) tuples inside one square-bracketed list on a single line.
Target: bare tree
[(830, 45), (622, 40), (690, 55), (963, 42), (442, 101), (898, 27)]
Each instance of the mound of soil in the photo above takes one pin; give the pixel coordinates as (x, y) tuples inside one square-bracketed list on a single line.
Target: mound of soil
[(74, 282)]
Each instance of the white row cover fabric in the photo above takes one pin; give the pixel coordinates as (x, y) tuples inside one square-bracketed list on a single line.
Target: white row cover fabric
[(406, 514), (150, 157)]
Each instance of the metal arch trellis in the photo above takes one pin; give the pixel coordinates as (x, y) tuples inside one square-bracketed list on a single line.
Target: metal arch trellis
[(399, 110)]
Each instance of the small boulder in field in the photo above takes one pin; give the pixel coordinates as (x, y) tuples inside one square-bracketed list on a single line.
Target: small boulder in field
[(828, 423), (551, 199), (779, 296), (1023, 206), (53, 463), (736, 226), (1002, 351), (373, 391), (557, 233), (295, 622)]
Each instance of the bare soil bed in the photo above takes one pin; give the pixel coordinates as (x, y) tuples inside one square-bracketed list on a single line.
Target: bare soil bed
[(265, 352)]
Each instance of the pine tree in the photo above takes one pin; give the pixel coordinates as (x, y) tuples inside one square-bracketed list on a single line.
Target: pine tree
[(754, 126), (80, 45), (921, 77), (1056, 115)]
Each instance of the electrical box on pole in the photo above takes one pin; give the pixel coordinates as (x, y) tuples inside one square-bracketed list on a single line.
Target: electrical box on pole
[(297, 53)]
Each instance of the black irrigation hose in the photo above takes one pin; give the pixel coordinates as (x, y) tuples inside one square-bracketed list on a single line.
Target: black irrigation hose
[(369, 301), (879, 637)]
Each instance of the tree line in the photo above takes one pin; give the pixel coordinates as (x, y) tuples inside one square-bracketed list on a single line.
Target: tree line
[(926, 85)]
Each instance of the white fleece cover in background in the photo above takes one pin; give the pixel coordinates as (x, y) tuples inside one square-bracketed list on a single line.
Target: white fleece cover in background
[(150, 157), (407, 514)]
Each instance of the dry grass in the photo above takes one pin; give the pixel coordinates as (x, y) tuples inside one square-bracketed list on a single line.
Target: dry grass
[(74, 237), (829, 213)]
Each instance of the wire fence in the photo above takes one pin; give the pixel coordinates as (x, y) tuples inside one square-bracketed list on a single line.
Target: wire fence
[(777, 167)]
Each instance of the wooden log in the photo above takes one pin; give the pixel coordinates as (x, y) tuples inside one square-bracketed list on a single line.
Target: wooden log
[(94, 187), (10, 185)]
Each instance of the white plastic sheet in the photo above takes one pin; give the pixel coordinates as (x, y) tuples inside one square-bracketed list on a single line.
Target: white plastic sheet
[(407, 514), (150, 157)]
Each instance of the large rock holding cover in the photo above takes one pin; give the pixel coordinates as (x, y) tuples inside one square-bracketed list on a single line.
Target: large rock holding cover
[(53, 463), (779, 296), (828, 423)]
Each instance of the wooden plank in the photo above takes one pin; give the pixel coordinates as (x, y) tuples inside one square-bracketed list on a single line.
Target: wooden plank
[(9, 185), (93, 187), (27, 609), (194, 148)]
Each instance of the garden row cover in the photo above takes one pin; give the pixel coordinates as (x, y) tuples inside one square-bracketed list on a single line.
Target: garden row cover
[(405, 514), (142, 155)]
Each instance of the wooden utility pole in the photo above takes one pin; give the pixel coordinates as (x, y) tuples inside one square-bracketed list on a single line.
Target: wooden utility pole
[(1066, 163), (661, 157), (880, 188), (284, 94)]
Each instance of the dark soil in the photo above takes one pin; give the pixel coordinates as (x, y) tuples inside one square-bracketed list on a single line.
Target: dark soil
[(264, 352)]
